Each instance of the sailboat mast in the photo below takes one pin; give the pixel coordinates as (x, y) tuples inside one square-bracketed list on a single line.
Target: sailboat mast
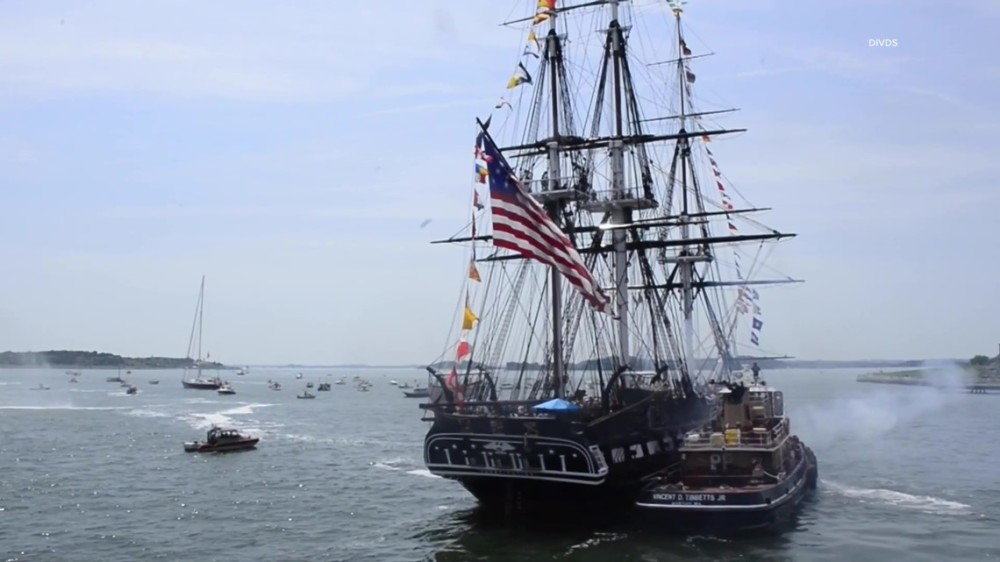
[(686, 258), (553, 184), (201, 314), (620, 214)]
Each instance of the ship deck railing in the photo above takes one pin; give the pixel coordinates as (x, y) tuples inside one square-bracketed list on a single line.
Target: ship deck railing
[(511, 408), (736, 438)]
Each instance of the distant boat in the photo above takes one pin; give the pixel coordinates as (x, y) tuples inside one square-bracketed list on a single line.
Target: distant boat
[(323, 386), (274, 385), (131, 389), (73, 380), (242, 371), (222, 441), (298, 376), (309, 385), (341, 381), (226, 389), (40, 387), (199, 382), (393, 382), (154, 381), (306, 395), (418, 392)]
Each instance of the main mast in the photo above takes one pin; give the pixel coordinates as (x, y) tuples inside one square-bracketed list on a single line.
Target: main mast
[(619, 215), (622, 200), (687, 259)]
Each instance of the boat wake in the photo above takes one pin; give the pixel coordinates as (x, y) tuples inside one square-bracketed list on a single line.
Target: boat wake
[(926, 504), (88, 408), (222, 418), (139, 413), (401, 464), (597, 540), (390, 464), (244, 410), (423, 472)]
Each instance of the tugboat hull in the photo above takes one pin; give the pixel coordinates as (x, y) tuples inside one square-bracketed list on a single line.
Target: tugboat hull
[(729, 510), (200, 447)]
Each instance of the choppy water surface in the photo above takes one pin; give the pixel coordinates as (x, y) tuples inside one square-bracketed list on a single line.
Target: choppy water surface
[(90, 473)]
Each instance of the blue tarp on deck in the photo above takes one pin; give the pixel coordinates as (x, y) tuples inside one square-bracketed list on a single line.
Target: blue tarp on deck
[(557, 405)]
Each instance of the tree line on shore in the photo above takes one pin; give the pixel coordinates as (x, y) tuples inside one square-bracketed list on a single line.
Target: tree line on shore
[(95, 360)]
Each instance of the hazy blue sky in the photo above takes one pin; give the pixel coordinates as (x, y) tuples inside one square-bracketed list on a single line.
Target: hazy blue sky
[(290, 151)]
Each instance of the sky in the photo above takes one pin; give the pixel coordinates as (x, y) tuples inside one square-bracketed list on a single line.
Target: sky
[(294, 152)]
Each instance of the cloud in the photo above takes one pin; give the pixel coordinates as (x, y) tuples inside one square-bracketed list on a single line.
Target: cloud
[(244, 51)]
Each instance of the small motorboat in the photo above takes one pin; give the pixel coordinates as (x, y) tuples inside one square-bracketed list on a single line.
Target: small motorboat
[(298, 376), (274, 385), (418, 392), (226, 389), (154, 381), (40, 387), (341, 381), (309, 385), (323, 386), (132, 389), (222, 441), (306, 395)]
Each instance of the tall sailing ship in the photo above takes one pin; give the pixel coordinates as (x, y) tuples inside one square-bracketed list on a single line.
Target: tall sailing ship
[(603, 301)]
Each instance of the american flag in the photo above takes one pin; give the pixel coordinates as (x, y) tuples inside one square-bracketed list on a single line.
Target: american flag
[(522, 225)]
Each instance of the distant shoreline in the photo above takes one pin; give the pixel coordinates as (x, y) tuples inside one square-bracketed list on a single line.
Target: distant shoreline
[(71, 359), (76, 360)]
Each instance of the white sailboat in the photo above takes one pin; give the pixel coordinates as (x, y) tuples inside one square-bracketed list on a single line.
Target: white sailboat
[(199, 382)]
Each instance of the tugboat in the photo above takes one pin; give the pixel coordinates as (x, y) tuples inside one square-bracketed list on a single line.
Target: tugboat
[(745, 471), (222, 441)]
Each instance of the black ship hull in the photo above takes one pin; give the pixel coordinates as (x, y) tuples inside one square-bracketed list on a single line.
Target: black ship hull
[(556, 463), (730, 510)]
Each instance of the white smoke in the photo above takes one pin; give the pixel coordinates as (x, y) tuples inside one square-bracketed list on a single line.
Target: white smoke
[(879, 408)]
